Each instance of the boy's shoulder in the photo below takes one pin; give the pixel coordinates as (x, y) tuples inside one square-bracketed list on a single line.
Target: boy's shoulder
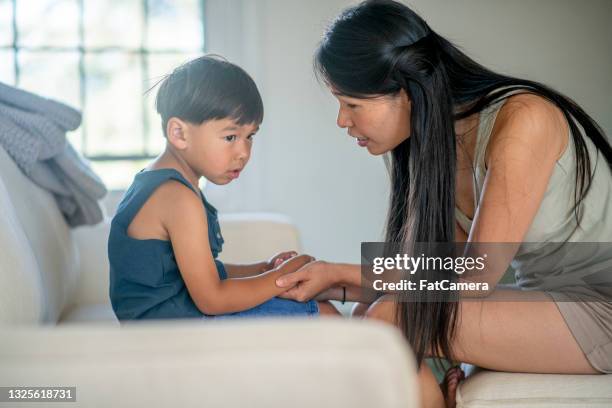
[(176, 196), (170, 202), (180, 208)]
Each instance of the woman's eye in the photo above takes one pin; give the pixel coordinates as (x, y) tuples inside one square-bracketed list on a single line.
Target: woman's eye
[(230, 138)]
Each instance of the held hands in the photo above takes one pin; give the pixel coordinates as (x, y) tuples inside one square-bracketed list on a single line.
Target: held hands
[(310, 281)]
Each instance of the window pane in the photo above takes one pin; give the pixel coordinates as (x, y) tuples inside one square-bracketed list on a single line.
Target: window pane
[(6, 23), (159, 66), (7, 68), (52, 75), (48, 23), (118, 175), (114, 23), (175, 25), (113, 107)]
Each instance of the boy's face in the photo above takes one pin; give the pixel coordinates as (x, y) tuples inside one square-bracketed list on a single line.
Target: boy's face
[(216, 149)]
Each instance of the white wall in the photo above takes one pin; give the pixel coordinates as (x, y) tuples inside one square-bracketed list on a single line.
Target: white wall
[(306, 167)]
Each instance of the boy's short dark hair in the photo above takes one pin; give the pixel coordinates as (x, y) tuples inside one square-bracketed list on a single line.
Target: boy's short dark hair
[(208, 88)]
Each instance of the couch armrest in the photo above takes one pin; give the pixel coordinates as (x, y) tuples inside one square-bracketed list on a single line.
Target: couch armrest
[(264, 363)]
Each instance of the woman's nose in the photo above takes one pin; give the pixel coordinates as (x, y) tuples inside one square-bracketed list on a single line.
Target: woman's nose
[(343, 120)]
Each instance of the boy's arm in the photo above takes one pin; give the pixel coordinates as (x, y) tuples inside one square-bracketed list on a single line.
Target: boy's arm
[(185, 221), (243, 271)]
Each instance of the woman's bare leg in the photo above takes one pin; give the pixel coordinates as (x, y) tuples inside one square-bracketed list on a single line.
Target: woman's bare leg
[(508, 335)]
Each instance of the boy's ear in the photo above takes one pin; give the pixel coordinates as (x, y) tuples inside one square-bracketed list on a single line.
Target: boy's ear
[(175, 132)]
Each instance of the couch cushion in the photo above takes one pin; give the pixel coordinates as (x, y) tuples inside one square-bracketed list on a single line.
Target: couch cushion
[(496, 389), (49, 239)]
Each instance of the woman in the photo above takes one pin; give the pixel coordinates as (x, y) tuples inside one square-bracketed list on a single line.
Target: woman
[(475, 156)]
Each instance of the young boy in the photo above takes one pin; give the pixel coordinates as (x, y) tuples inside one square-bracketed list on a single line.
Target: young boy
[(165, 237)]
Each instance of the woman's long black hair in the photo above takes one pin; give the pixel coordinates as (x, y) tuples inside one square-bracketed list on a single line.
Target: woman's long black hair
[(380, 47)]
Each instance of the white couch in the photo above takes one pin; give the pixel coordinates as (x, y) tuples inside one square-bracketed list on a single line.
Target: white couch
[(57, 328)]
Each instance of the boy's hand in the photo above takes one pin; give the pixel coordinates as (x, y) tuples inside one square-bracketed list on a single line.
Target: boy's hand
[(279, 259)]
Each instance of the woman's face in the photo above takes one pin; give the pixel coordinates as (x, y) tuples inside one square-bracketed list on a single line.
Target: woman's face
[(379, 124)]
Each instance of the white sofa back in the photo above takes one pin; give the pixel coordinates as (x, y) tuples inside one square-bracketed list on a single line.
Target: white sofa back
[(38, 258)]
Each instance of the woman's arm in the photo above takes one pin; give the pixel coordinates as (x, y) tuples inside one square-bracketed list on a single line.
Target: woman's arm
[(347, 294), (529, 136)]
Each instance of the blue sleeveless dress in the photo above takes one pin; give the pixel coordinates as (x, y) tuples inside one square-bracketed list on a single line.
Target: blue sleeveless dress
[(145, 281)]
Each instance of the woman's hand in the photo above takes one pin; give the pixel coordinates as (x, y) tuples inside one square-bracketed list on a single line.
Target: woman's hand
[(307, 282)]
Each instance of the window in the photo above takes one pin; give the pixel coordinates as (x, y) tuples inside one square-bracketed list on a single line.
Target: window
[(101, 56)]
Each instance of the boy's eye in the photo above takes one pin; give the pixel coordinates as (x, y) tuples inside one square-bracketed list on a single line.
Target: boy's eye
[(230, 138), (251, 136), (351, 105)]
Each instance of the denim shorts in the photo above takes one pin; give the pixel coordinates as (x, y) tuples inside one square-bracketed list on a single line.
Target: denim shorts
[(275, 307)]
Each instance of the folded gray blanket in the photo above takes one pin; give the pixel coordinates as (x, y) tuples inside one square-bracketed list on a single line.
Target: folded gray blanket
[(33, 132)]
